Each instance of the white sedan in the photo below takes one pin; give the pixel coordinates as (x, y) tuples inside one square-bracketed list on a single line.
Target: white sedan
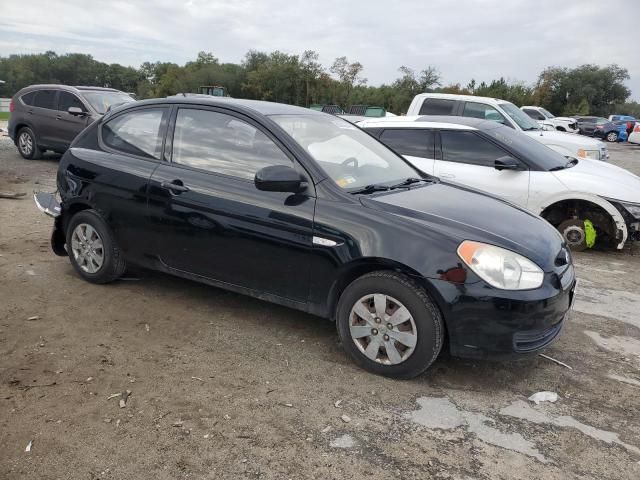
[(588, 201)]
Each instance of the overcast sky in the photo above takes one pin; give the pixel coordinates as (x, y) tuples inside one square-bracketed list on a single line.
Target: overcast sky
[(482, 39)]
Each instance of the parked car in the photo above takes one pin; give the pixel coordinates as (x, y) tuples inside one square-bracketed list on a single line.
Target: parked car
[(602, 128), (509, 115), (627, 124), (306, 210), (634, 137), (570, 194), (626, 118), (48, 117), (547, 119)]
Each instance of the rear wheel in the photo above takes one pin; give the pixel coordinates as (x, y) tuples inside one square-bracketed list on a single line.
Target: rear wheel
[(92, 248), (612, 137), (27, 144), (389, 325)]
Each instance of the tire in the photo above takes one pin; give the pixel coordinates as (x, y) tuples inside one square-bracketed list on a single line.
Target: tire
[(424, 327), (27, 144), (612, 137), (84, 229)]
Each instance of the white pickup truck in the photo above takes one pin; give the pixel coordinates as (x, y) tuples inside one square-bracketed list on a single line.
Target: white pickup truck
[(549, 121), (508, 114)]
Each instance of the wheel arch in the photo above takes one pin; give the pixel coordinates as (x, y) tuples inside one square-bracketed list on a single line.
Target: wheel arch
[(352, 270), (550, 203)]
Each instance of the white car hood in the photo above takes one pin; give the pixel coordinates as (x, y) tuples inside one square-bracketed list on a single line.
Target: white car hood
[(602, 179), (563, 119), (563, 138)]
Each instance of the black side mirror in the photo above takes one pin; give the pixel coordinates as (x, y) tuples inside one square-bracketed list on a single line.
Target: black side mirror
[(77, 111), (507, 163), (279, 178)]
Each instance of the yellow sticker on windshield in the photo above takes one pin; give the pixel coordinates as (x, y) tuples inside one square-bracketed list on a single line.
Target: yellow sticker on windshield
[(345, 181)]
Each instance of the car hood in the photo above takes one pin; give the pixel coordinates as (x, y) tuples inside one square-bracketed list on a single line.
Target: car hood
[(601, 178), (564, 119), (563, 138), (467, 214)]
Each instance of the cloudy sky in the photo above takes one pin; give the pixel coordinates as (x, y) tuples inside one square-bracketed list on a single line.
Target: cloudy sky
[(482, 39)]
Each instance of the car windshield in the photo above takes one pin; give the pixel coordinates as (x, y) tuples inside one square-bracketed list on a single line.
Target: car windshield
[(547, 113), (102, 100), (527, 148), (352, 158), (523, 120)]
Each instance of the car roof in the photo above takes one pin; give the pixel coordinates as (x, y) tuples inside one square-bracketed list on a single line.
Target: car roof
[(259, 106), (455, 96), (68, 88), (431, 121)]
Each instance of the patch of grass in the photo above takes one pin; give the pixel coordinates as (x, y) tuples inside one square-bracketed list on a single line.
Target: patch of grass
[(4, 115)]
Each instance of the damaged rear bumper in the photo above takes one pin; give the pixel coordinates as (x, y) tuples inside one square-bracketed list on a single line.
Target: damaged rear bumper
[(48, 204)]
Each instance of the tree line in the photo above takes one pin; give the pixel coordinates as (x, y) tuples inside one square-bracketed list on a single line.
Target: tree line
[(303, 80)]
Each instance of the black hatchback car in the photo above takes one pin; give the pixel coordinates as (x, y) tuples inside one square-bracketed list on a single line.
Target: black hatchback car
[(306, 210)]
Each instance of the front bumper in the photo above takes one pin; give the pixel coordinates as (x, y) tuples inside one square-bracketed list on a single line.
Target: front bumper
[(484, 321)]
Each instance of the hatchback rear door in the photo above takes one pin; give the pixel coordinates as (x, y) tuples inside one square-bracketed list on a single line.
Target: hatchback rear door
[(209, 219)]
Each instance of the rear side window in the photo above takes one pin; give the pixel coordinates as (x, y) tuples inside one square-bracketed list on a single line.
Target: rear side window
[(437, 106), (410, 141), (28, 98), (534, 114), (45, 99), (482, 111), (222, 143), (467, 147), (137, 133), (66, 100)]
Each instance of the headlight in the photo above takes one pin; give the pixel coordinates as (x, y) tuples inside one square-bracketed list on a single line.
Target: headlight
[(633, 209), (499, 267), (592, 154)]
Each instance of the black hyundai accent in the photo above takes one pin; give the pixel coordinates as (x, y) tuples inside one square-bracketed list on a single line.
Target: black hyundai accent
[(306, 210)]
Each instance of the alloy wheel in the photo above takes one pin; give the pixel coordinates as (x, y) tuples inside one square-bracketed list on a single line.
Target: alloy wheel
[(383, 329), (612, 136), (25, 142), (87, 248)]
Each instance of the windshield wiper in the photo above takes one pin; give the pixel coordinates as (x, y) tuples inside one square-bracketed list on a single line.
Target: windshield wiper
[(370, 189), (407, 182), (571, 163)]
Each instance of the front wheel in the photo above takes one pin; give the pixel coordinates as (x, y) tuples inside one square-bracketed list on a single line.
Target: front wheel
[(92, 248), (612, 137), (389, 325)]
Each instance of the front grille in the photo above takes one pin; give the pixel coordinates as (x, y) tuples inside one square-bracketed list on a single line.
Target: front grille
[(524, 342)]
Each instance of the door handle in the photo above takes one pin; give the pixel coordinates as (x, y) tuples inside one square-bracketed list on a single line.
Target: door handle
[(447, 175), (175, 187)]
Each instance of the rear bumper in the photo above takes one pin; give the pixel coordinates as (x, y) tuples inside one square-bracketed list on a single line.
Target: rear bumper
[(483, 321)]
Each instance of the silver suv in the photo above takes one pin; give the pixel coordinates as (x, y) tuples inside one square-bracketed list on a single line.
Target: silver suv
[(48, 117)]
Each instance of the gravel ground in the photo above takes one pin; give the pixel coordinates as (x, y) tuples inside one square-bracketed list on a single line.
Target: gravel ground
[(224, 386)]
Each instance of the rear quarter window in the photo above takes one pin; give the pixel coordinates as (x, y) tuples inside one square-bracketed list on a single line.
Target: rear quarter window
[(28, 98), (139, 132), (437, 106)]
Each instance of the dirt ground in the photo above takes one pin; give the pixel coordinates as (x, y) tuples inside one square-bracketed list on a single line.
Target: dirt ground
[(227, 387)]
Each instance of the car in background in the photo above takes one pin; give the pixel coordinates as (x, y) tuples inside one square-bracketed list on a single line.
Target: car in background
[(48, 117), (306, 210), (547, 119), (508, 114), (634, 137), (628, 121), (600, 127), (572, 194)]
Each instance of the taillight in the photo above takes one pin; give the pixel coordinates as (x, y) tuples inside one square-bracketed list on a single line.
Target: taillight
[(12, 107)]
